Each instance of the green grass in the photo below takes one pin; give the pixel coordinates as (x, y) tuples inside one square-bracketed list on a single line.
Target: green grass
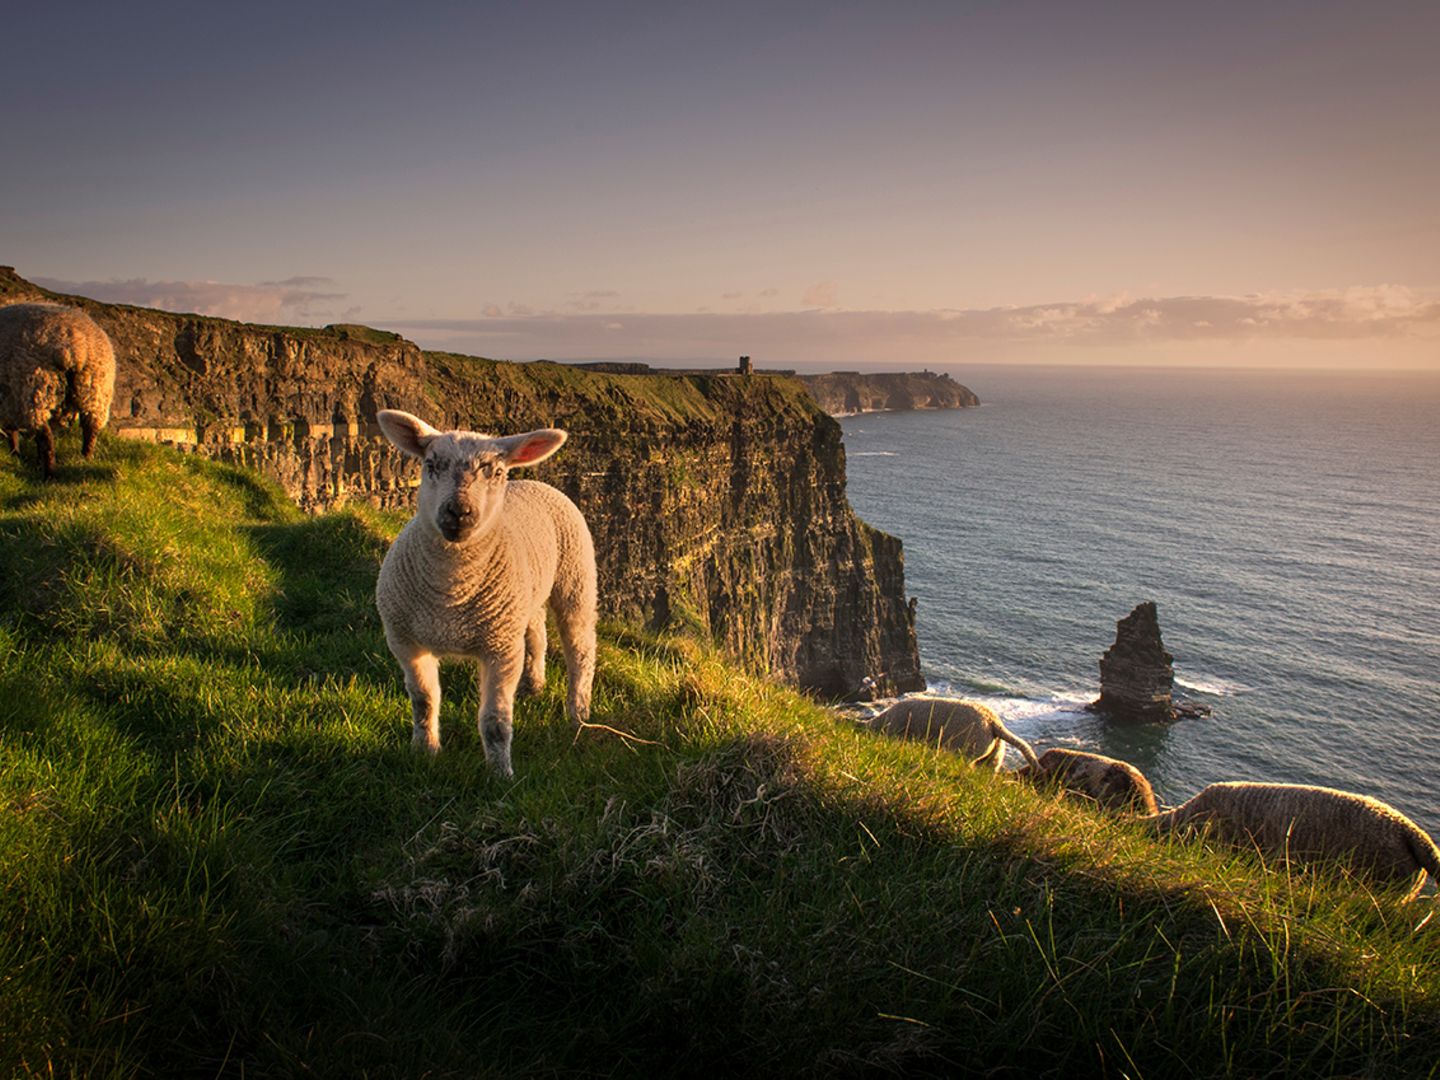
[(218, 855)]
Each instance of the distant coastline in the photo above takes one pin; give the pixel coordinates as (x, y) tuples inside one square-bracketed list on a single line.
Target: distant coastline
[(846, 393), (839, 393)]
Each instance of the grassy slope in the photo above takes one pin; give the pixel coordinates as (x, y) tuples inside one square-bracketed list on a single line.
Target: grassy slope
[(218, 855)]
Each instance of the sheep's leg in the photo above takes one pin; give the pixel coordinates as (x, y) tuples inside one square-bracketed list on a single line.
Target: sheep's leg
[(45, 450), (13, 435), (992, 759), (532, 681), (577, 634), (499, 679), (422, 682), (89, 429)]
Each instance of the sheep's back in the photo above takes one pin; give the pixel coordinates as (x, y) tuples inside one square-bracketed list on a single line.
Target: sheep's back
[(964, 727), (561, 548), (1315, 823), (54, 360), (1109, 781)]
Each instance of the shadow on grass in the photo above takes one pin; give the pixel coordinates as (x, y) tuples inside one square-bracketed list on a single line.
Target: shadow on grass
[(665, 908), (69, 474), (262, 498)]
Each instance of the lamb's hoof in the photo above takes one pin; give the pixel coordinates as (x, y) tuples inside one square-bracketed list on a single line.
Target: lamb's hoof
[(529, 687), (423, 745)]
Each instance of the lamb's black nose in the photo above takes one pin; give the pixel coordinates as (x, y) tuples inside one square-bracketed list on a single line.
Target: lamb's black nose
[(455, 519)]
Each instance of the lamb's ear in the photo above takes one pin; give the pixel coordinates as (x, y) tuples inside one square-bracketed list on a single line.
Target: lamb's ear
[(532, 447), (409, 433)]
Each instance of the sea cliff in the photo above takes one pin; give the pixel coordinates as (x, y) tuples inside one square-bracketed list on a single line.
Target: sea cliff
[(842, 393), (714, 498)]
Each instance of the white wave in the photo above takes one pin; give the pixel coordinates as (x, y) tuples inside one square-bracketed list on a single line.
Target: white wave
[(873, 453), (1214, 687)]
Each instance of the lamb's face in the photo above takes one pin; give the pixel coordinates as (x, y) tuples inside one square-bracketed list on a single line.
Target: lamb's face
[(462, 485), (462, 473)]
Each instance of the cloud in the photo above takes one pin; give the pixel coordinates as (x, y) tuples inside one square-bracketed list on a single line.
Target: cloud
[(731, 295), (822, 294), (1361, 312), (1138, 328), (592, 300), (295, 299), (769, 292)]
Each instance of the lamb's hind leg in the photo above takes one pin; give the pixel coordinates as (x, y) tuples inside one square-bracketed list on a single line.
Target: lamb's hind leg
[(577, 634), (532, 680), (499, 679)]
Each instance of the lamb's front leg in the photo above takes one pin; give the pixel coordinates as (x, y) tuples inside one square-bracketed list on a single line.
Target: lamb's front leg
[(422, 682), (499, 679)]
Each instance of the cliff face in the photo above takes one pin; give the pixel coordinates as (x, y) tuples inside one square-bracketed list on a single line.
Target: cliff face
[(714, 497), (841, 393)]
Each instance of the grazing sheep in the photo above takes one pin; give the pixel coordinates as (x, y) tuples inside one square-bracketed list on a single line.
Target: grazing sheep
[(472, 572), (1314, 824), (965, 727), (55, 363), (1112, 783)]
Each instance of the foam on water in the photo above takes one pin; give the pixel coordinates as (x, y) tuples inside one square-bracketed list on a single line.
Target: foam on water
[(1214, 687)]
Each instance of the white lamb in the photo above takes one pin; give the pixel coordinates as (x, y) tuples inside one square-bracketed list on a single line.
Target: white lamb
[(55, 363), (472, 572)]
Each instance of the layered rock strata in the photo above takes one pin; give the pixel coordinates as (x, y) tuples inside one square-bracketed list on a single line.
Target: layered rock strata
[(714, 498), (1137, 675)]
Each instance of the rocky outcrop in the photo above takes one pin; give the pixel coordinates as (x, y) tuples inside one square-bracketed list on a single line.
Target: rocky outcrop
[(1137, 675), (842, 393), (713, 498)]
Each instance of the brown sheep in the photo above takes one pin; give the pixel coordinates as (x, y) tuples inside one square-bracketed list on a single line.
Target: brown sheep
[(964, 727), (55, 363), (1114, 784), (1314, 824)]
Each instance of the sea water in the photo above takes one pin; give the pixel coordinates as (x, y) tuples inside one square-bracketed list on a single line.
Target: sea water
[(1286, 524)]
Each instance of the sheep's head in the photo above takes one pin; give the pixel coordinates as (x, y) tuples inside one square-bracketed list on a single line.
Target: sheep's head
[(463, 473)]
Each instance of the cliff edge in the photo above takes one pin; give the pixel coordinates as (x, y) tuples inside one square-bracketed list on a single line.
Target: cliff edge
[(713, 498), (843, 393)]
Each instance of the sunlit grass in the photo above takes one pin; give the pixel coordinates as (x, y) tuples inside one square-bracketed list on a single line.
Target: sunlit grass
[(218, 853)]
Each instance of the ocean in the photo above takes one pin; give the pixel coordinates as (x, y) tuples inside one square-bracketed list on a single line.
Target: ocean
[(1287, 524)]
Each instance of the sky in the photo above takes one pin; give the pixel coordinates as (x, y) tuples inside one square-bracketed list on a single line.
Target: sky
[(813, 184)]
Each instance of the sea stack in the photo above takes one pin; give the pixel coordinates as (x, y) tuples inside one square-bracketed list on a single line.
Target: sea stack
[(1136, 673)]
